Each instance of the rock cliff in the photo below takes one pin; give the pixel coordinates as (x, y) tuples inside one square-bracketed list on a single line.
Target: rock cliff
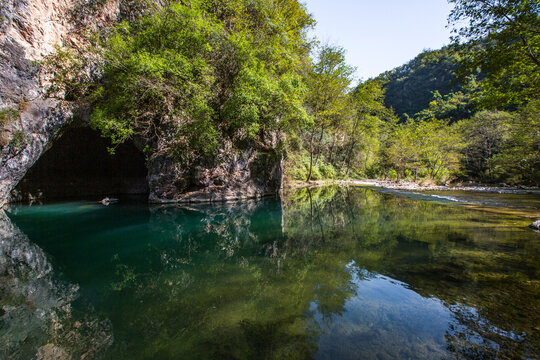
[(30, 122), (231, 174), (29, 31)]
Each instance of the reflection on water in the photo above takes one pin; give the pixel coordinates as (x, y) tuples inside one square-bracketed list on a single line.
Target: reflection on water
[(523, 203), (36, 317), (330, 273)]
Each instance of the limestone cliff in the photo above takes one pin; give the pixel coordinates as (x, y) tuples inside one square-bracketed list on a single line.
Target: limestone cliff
[(29, 31), (30, 121), (233, 173)]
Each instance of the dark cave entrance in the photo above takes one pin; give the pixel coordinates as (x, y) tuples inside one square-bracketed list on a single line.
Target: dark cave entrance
[(78, 165)]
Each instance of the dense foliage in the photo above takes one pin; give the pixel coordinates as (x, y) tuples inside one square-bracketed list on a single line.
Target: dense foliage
[(482, 92), (189, 78), (501, 38), (410, 87), (194, 75)]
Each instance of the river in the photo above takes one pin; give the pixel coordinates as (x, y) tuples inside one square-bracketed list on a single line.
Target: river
[(324, 273)]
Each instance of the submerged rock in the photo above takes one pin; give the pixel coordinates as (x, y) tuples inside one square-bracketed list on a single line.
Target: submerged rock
[(50, 352)]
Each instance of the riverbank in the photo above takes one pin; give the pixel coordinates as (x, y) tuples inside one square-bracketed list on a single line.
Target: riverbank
[(480, 197), (412, 186)]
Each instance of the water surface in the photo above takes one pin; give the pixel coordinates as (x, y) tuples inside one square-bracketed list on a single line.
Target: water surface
[(329, 273)]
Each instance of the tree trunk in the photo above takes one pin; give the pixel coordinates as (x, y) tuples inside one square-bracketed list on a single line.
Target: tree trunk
[(310, 155), (331, 158), (319, 148)]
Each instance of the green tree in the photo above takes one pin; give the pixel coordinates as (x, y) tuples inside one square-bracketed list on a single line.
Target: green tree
[(519, 162), (158, 80), (327, 100), (502, 38), (198, 75), (440, 148), (486, 133), (364, 129), (454, 106), (401, 152), (431, 147)]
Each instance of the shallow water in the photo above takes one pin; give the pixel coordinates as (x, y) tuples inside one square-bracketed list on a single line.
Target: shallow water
[(329, 273)]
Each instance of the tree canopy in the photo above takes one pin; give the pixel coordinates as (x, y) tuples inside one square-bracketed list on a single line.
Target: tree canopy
[(194, 77), (501, 37), (195, 74)]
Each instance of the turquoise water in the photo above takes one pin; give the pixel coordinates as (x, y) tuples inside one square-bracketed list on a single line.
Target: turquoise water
[(329, 273)]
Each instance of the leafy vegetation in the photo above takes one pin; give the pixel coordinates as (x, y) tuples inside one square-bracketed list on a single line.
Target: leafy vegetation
[(12, 137), (502, 39), (7, 116), (192, 76), (484, 88), (410, 88), (427, 148), (189, 78)]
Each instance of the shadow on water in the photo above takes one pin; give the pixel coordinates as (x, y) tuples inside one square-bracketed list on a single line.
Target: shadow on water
[(327, 273)]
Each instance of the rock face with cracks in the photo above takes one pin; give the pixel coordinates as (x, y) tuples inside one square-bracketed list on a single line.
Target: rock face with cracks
[(30, 122), (29, 31), (232, 174)]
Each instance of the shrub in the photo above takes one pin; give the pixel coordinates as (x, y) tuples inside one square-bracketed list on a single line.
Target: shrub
[(297, 167), (407, 174), (18, 140), (392, 174), (327, 170), (7, 116), (315, 173)]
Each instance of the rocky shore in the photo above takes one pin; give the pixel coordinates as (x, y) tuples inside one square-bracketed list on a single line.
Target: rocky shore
[(412, 186)]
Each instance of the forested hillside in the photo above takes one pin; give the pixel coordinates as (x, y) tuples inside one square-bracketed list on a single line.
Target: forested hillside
[(411, 87), (467, 112), (198, 82), (478, 98)]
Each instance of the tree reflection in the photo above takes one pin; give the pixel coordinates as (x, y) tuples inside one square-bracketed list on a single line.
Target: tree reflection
[(489, 278), (271, 279)]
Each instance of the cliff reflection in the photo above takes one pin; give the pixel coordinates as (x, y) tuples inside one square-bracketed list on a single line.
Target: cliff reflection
[(36, 314)]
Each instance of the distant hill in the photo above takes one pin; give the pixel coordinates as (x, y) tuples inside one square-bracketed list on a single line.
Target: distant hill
[(410, 87)]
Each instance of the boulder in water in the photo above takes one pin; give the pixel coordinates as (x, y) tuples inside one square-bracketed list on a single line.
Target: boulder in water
[(535, 225), (107, 201)]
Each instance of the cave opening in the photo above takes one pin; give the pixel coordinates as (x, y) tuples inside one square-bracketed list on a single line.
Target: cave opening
[(79, 165)]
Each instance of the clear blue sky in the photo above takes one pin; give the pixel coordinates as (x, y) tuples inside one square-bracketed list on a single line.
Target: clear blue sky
[(380, 35)]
